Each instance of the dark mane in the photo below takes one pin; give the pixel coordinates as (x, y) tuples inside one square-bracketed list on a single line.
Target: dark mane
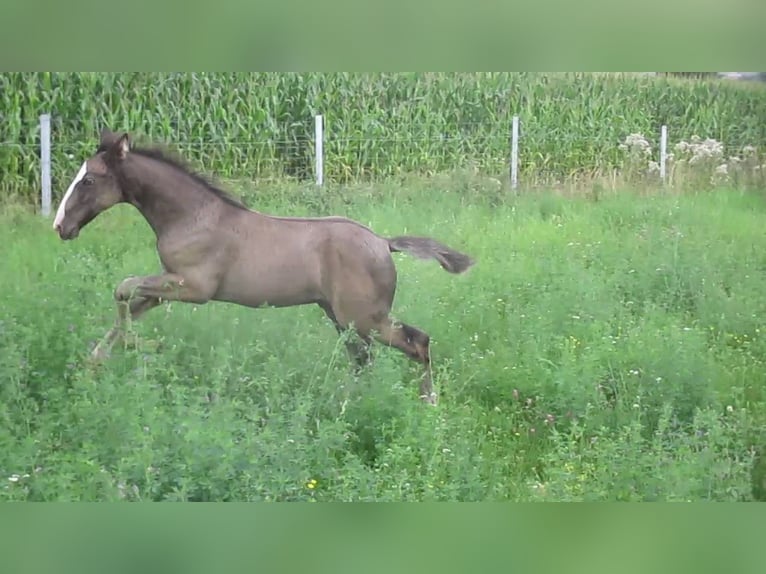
[(176, 162)]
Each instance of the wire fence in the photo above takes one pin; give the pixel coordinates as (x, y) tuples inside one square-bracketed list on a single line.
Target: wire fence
[(519, 153)]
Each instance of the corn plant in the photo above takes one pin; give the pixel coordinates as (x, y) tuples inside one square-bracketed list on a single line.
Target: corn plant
[(260, 125)]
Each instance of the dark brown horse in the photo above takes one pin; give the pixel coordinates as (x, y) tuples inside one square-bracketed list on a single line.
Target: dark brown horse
[(213, 248)]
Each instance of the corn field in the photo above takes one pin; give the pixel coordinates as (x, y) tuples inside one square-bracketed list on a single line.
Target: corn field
[(261, 125)]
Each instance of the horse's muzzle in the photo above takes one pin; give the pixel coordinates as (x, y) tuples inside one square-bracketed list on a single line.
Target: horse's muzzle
[(67, 235)]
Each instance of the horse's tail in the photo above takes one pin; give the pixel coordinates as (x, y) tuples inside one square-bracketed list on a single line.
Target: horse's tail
[(427, 248)]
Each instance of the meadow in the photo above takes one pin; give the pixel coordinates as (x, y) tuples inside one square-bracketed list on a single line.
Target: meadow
[(607, 346)]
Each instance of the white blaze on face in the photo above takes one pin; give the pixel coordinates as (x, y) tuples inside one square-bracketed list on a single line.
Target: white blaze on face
[(62, 206)]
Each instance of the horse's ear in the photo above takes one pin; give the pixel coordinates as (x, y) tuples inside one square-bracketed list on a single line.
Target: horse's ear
[(108, 138), (123, 145), (119, 147)]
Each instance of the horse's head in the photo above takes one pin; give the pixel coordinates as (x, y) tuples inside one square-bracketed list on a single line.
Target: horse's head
[(95, 188)]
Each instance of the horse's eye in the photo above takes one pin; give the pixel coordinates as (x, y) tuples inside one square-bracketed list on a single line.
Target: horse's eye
[(87, 180)]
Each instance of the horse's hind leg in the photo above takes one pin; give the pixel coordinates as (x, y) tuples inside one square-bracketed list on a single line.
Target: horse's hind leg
[(358, 346), (412, 342)]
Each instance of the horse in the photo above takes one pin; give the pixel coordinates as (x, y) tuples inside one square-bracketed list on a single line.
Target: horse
[(212, 247)]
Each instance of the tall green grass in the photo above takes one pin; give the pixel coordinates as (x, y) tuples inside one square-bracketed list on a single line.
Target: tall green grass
[(599, 350), (377, 125)]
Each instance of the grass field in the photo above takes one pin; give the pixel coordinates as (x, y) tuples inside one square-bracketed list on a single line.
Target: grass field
[(608, 349)]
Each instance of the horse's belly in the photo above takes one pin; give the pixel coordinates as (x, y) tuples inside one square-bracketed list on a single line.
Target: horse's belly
[(275, 287)]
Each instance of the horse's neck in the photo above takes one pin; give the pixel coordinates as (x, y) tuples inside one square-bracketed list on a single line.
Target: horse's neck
[(166, 199)]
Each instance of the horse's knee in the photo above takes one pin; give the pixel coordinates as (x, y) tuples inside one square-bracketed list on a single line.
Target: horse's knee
[(125, 289)]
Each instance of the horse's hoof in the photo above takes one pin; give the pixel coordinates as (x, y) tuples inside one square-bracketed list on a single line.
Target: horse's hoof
[(131, 341), (98, 355), (150, 345), (429, 399)]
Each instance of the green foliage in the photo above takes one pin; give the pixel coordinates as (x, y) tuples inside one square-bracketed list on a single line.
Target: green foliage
[(378, 125), (607, 350)]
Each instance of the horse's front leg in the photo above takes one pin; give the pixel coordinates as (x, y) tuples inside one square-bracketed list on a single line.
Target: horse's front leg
[(126, 311), (137, 295)]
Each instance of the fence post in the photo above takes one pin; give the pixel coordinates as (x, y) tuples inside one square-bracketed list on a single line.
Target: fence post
[(45, 163), (663, 151), (515, 152), (319, 148)]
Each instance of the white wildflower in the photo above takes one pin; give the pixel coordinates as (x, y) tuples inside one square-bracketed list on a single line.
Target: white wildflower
[(636, 143)]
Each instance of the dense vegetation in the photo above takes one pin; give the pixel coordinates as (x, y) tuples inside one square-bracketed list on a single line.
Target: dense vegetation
[(262, 125), (599, 350), (607, 346)]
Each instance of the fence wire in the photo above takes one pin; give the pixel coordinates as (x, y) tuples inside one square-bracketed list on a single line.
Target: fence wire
[(380, 153)]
